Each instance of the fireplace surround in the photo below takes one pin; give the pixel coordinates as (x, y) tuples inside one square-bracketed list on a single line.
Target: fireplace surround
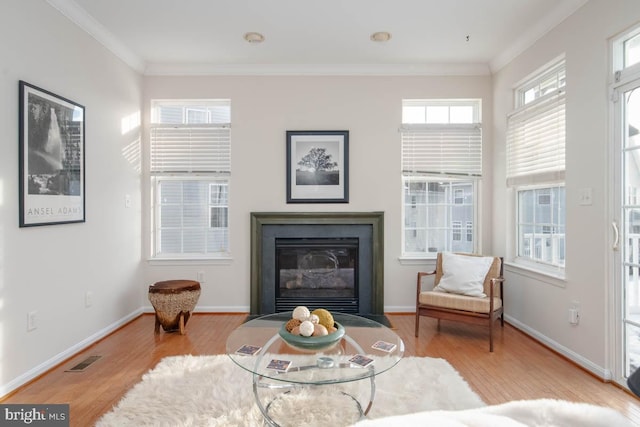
[(363, 231)]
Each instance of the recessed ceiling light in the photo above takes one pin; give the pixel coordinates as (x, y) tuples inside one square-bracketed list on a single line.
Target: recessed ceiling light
[(253, 37), (381, 36)]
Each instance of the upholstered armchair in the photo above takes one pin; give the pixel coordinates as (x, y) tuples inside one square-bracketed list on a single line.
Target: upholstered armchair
[(465, 288)]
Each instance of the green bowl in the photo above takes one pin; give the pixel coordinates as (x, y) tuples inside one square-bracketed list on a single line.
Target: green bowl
[(312, 343)]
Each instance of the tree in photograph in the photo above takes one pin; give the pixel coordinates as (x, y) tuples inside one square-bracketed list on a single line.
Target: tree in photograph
[(317, 160)]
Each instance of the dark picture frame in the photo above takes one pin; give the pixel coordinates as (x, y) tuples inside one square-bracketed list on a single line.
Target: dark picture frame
[(318, 166), (52, 161)]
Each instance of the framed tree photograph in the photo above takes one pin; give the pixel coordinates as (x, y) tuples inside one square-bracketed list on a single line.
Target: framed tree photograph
[(318, 166), (52, 136)]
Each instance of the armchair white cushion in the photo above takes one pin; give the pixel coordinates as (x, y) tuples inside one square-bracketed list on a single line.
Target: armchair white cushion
[(463, 274)]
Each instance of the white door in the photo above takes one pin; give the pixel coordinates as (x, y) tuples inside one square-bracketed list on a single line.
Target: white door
[(627, 228)]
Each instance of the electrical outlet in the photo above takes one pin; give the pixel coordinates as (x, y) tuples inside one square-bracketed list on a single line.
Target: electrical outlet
[(88, 299), (574, 313), (127, 201), (200, 276), (32, 321)]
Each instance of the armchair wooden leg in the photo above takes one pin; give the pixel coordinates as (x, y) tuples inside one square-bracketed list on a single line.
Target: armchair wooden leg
[(491, 336), (491, 340), (417, 322)]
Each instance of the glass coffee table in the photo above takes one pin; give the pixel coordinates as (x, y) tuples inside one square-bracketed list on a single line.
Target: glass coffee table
[(289, 379)]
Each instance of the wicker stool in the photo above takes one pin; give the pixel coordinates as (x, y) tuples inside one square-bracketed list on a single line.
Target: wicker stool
[(173, 301)]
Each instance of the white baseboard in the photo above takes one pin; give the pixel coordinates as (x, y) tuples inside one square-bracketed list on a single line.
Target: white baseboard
[(61, 357), (210, 309), (400, 309), (599, 371)]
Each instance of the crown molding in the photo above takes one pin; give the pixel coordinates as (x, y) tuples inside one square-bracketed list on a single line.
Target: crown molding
[(462, 69), (82, 19), (562, 11)]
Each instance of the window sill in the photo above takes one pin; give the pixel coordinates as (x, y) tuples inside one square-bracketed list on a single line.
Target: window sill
[(552, 276), (223, 260), (417, 260)]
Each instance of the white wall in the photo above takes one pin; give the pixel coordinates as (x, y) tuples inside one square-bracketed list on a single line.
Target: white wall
[(262, 110), (539, 306), (49, 269)]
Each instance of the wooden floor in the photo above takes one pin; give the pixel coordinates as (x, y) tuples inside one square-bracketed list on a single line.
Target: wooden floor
[(519, 368)]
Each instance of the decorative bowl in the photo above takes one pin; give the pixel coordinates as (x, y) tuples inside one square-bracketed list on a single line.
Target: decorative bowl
[(312, 343)]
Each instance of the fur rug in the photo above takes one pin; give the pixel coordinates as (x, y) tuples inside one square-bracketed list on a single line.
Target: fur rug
[(189, 391)]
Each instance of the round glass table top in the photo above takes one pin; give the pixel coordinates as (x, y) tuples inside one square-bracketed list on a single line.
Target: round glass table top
[(365, 349)]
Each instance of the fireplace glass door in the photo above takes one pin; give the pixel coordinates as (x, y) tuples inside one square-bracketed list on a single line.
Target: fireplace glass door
[(317, 273)]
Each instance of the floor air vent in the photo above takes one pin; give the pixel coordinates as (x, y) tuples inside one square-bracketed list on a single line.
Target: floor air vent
[(84, 364)]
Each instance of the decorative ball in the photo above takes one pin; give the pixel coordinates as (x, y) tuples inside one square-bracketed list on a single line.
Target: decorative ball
[(314, 319), (326, 319), (301, 313), (319, 331), (292, 323), (306, 328)]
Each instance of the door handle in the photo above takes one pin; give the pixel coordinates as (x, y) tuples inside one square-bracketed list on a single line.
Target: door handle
[(616, 236)]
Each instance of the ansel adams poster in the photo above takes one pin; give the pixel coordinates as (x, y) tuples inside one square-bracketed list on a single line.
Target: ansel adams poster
[(51, 158), (317, 166)]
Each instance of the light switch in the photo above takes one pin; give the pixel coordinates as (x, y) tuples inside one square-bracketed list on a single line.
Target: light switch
[(585, 198)]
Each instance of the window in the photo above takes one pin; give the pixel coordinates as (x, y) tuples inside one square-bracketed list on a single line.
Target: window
[(536, 166), (457, 230), (190, 173), (458, 196), (626, 54), (541, 226), (441, 164), (632, 51)]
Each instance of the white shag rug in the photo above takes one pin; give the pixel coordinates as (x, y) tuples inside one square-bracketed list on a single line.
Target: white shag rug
[(189, 391)]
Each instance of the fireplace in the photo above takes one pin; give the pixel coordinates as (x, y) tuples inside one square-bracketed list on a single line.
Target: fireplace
[(329, 260)]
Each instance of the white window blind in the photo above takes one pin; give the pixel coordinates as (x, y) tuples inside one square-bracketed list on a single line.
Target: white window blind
[(190, 148), (536, 141), (442, 149)]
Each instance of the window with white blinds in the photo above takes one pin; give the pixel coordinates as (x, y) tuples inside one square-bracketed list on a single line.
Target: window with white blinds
[(441, 137), (536, 131), (190, 168), (441, 143), (191, 148), (442, 149), (536, 168)]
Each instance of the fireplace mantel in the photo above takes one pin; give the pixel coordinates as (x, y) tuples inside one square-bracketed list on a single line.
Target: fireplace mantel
[(260, 220)]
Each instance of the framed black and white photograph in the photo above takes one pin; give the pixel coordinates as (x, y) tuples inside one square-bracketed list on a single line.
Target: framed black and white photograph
[(318, 166), (52, 135)]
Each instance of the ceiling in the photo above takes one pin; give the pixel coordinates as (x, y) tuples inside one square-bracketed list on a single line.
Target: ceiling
[(317, 37)]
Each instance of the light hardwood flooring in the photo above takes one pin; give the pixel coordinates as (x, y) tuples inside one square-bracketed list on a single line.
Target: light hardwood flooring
[(519, 367)]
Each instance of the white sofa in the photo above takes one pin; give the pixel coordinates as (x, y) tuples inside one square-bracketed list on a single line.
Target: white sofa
[(538, 413)]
